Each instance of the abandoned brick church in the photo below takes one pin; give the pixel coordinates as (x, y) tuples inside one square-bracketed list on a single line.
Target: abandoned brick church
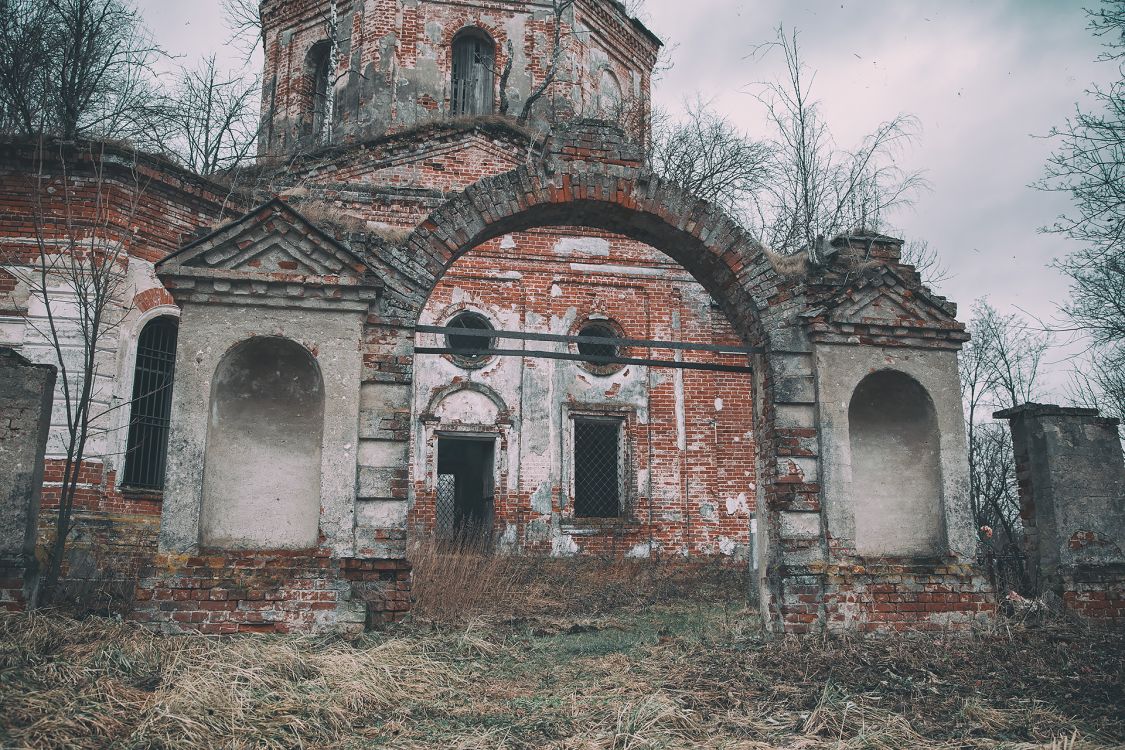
[(421, 314)]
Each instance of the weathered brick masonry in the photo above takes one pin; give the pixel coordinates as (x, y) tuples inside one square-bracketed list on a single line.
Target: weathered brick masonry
[(89, 194), (1072, 503), (306, 431)]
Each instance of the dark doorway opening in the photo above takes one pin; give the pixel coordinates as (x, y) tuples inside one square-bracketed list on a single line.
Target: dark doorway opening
[(465, 487)]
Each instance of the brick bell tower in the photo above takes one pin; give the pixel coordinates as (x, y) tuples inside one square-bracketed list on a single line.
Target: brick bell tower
[(345, 71)]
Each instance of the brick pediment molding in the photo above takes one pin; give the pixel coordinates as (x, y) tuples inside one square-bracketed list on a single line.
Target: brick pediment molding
[(885, 306), (271, 256)]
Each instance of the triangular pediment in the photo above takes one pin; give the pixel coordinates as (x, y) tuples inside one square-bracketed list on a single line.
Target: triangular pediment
[(886, 298), (272, 241)]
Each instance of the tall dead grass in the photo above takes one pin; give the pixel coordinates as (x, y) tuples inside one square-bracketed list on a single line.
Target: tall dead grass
[(465, 579), (608, 656), (462, 579), (91, 683)]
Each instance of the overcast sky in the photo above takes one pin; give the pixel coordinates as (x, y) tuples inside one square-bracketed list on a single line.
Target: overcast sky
[(983, 77)]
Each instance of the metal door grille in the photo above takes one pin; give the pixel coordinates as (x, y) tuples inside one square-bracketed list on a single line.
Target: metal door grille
[(147, 445), (597, 469), (445, 508)]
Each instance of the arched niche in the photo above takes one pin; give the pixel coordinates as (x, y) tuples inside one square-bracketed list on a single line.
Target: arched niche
[(896, 488), (262, 466)]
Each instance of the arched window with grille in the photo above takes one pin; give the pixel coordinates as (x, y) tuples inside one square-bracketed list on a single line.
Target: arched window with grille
[(474, 59), (147, 445)]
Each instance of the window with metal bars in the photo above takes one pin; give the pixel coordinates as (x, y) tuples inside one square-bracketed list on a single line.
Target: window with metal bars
[(147, 445), (598, 453), (474, 57), (600, 329)]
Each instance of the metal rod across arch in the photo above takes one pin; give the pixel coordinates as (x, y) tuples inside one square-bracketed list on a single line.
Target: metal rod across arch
[(592, 358)]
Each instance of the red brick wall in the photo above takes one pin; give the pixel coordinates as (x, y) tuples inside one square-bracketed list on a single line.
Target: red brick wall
[(690, 498), (271, 592), (1096, 594), (381, 88), (141, 200)]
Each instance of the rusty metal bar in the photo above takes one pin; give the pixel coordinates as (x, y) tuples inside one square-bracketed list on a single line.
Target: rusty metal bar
[(554, 337), (579, 357)]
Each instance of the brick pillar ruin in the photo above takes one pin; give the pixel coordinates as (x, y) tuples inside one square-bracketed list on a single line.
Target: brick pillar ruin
[(26, 395), (1072, 496)]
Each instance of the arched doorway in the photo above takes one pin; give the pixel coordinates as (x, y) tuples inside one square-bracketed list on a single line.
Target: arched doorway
[(568, 186)]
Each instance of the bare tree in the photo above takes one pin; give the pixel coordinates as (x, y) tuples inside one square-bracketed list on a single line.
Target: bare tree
[(24, 82), (976, 384), (79, 277), (212, 122), (558, 9), (1000, 368), (244, 19), (1016, 354), (76, 68), (1099, 383), (996, 503), (818, 190), (707, 156), (1089, 166)]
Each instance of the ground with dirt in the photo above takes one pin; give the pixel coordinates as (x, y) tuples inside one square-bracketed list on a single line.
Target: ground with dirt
[(588, 657)]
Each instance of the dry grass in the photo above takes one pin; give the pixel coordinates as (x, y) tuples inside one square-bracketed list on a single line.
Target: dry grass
[(463, 580), (579, 655), (796, 264), (86, 683), (460, 580)]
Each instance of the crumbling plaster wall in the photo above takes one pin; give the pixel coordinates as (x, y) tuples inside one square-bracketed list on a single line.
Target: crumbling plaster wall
[(25, 407), (207, 334), (392, 62), (1072, 494), (263, 455), (689, 438)]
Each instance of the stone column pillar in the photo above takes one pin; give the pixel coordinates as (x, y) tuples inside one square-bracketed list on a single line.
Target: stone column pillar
[(26, 394), (1072, 496)]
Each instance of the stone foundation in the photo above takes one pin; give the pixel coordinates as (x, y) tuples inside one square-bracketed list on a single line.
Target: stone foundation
[(886, 598), (271, 592)]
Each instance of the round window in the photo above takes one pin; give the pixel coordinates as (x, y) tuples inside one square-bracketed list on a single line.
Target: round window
[(599, 329), (469, 349)]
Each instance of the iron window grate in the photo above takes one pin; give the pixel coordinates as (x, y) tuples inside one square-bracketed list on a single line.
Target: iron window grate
[(445, 510), (597, 469), (147, 447)]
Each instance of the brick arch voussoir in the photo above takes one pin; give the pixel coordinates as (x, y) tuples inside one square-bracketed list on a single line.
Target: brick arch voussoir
[(720, 254)]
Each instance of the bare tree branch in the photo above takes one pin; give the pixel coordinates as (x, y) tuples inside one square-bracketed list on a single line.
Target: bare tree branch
[(707, 156), (559, 8), (212, 123), (79, 276), (818, 190), (244, 19)]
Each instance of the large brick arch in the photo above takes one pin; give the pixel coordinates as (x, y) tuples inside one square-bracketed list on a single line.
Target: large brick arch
[(630, 201), (589, 177)]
